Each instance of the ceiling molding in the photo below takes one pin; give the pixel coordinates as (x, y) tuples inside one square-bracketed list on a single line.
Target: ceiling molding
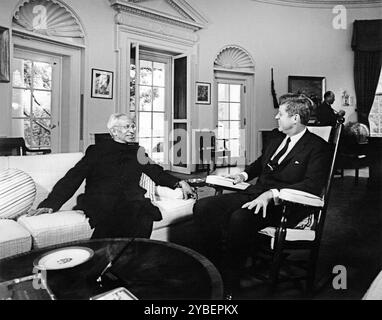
[(325, 3), (189, 17)]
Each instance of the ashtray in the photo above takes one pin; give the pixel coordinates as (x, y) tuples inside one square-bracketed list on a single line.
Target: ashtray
[(63, 258)]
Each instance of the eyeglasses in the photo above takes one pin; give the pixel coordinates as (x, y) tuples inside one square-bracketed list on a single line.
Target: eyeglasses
[(128, 126)]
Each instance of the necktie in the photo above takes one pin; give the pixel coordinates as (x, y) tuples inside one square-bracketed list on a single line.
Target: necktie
[(275, 160)]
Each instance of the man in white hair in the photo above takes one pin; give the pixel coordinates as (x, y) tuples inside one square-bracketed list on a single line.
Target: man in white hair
[(113, 199)]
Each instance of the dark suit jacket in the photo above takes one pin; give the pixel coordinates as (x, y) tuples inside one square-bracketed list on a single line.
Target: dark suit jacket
[(326, 115), (304, 168), (112, 171)]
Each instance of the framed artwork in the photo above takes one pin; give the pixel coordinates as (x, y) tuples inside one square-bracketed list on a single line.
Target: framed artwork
[(313, 87), (102, 84), (5, 75), (203, 93)]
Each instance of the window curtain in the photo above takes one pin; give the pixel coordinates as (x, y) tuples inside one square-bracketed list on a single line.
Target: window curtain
[(367, 47)]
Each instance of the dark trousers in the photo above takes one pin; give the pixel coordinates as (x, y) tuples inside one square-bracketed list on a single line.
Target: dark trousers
[(228, 231), (128, 219)]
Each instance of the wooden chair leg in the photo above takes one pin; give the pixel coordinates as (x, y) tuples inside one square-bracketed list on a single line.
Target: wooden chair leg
[(311, 272), (277, 257), (275, 268)]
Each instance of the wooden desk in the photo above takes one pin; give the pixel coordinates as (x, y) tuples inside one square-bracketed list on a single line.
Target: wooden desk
[(149, 269)]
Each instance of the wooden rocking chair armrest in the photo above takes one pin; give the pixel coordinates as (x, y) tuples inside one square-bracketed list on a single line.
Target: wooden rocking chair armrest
[(301, 197)]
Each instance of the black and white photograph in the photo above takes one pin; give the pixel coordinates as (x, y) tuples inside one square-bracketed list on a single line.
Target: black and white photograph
[(102, 84), (203, 93), (188, 150)]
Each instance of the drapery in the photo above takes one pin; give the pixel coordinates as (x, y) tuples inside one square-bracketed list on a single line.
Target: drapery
[(367, 47)]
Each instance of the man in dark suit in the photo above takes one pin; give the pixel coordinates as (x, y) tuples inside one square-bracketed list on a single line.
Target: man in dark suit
[(298, 159), (326, 115), (113, 199)]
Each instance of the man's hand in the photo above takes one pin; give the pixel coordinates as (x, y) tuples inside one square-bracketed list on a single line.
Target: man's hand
[(237, 178), (260, 202), (188, 191), (37, 212)]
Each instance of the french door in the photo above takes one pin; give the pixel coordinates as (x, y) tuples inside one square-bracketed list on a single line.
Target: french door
[(231, 121), (36, 99)]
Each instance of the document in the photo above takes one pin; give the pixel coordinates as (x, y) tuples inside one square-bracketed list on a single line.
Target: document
[(226, 182)]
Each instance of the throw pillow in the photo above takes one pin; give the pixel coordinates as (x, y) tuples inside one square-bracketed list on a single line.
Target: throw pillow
[(17, 193), (149, 185)]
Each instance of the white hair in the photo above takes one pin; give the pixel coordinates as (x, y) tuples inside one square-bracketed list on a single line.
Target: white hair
[(115, 119)]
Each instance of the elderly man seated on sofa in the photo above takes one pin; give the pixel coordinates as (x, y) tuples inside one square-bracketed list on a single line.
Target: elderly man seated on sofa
[(113, 199)]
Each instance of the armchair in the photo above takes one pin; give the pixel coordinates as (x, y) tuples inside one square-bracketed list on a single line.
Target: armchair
[(307, 234)]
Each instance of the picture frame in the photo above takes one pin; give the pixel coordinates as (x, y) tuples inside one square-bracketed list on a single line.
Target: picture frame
[(313, 87), (102, 84), (5, 74), (203, 93)]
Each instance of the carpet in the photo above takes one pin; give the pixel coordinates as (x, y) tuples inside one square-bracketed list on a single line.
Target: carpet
[(351, 241)]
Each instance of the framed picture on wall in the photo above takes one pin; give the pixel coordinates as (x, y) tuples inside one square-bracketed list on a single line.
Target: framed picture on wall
[(4, 55), (203, 93), (313, 87), (102, 84)]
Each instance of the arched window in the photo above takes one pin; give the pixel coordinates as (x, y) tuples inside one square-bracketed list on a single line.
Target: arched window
[(235, 59), (48, 18), (233, 80)]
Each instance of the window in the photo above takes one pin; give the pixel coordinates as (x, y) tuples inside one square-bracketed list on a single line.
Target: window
[(229, 118), (159, 97), (31, 102), (151, 109), (375, 116), (149, 101)]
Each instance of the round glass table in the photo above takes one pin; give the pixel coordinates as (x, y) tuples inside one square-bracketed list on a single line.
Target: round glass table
[(149, 269)]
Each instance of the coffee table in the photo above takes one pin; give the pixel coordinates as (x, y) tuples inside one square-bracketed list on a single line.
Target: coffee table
[(150, 269)]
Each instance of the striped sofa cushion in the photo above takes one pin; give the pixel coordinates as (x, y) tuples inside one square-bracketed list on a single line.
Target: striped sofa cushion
[(17, 193), (149, 185)]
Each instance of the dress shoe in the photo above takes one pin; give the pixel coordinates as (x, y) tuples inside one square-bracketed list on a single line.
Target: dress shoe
[(228, 296)]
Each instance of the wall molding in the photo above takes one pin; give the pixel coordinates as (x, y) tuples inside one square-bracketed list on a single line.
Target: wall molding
[(325, 3), (189, 18), (234, 58), (61, 22)]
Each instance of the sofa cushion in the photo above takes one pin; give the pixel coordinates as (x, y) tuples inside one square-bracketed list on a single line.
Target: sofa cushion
[(17, 193), (56, 228), (14, 239), (173, 211)]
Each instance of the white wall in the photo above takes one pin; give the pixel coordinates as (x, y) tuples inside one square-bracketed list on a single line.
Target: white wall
[(294, 41), (97, 18)]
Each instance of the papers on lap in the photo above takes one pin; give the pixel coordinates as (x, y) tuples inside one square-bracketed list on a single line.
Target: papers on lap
[(226, 182)]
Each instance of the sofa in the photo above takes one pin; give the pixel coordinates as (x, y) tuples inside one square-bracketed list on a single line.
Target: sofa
[(20, 234)]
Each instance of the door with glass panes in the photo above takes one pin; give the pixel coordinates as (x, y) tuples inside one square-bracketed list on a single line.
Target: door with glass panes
[(36, 99), (159, 99), (153, 106), (231, 122)]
